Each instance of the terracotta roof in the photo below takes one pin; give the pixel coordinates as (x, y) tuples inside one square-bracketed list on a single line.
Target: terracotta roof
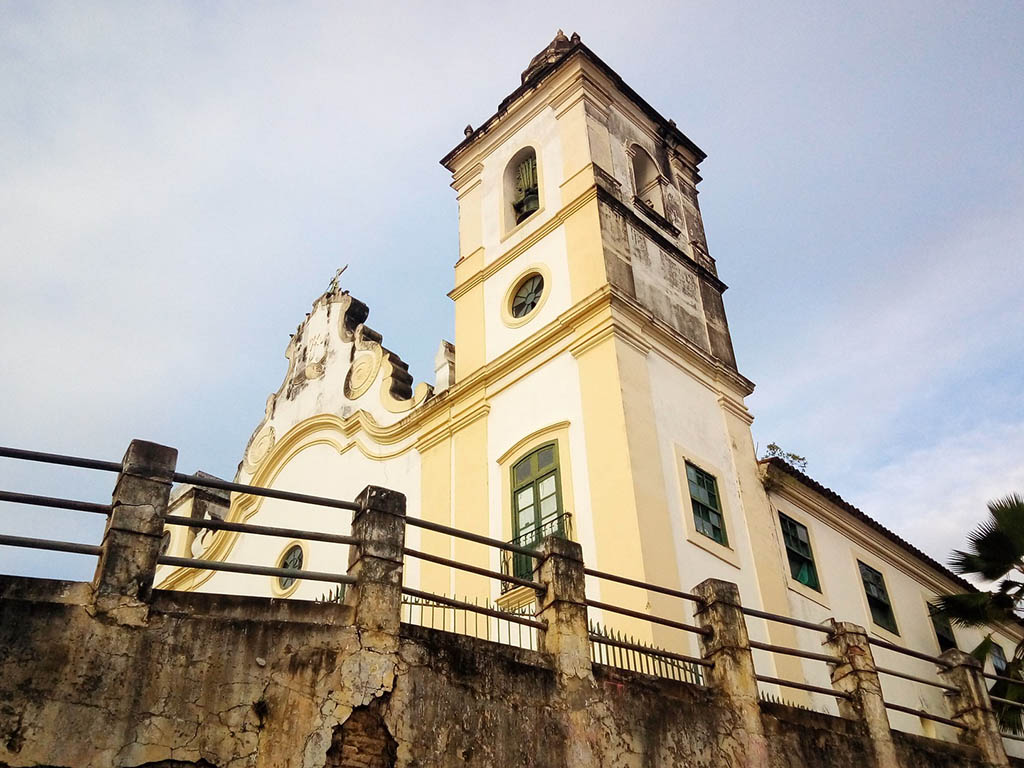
[(846, 506)]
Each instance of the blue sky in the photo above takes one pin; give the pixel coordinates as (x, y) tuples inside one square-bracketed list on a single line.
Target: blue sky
[(181, 180)]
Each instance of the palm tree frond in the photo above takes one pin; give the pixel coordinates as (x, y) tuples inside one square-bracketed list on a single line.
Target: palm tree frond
[(993, 550), (973, 609), (1008, 512)]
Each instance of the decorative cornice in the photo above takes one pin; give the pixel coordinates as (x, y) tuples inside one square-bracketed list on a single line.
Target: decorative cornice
[(581, 53), (549, 226), (471, 173), (663, 242), (736, 408), (667, 340), (857, 527)]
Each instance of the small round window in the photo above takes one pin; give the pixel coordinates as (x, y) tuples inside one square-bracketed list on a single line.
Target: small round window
[(527, 295), (292, 558)]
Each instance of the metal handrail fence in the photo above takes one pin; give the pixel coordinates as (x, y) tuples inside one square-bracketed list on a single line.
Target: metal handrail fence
[(920, 656), (997, 678), (196, 480), (449, 611), (610, 648), (517, 564), (502, 578), (792, 651), (881, 670), (505, 578), (614, 649)]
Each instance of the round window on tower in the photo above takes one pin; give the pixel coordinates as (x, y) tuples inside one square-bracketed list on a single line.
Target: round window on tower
[(292, 558), (527, 295)]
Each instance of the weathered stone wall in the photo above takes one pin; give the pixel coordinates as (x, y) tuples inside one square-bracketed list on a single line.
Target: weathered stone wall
[(115, 673), (206, 680)]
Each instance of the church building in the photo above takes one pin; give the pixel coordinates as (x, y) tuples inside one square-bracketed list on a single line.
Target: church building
[(591, 392)]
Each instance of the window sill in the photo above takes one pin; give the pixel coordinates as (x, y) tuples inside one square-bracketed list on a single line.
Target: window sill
[(721, 551), (804, 591), (656, 217), (516, 598), (533, 218), (886, 634)]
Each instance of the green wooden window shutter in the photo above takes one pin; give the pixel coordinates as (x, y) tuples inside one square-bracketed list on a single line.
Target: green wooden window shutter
[(707, 511), (943, 629), (798, 550), (998, 657), (537, 510), (878, 598)]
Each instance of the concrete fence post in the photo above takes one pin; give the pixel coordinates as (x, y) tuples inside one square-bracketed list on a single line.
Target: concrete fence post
[(727, 646), (972, 707), (131, 541), (855, 674), (376, 563), (563, 607)]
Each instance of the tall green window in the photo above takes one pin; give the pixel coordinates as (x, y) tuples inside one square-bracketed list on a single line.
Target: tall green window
[(707, 510), (943, 629), (537, 509), (798, 550), (878, 598), (998, 657)]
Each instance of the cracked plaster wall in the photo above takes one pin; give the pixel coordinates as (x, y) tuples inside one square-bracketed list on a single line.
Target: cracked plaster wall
[(224, 681)]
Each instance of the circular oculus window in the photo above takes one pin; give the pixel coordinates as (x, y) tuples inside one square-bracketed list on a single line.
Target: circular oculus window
[(291, 559), (527, 295)]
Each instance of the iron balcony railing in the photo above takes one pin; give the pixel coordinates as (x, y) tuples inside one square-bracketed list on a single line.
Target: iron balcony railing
[(520, 566)]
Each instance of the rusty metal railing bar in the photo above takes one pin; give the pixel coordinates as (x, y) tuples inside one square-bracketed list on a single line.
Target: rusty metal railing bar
[(56, 458), (473, 569), (1003, 678), (50, 501), (643, 585), (432, 598), (255, 570), (648, 617), (179, 477), (907, 651), (55, 546), (786, 620), (925, 715), (786, 651), (1018, 704), (916, 679), (262, 530), (497, 543), (803, 686), (601, 639), (273, 493)]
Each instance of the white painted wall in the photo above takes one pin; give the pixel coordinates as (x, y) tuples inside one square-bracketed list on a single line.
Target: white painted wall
[(836, 552), (690, 422), (548, 396), (540, 132)]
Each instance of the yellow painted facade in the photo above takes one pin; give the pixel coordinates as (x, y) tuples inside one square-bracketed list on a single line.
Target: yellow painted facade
[(624, 363)]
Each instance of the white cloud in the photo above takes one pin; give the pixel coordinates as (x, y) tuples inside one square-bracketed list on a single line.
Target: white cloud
[(933, 496), (181, 180), (838, 381)]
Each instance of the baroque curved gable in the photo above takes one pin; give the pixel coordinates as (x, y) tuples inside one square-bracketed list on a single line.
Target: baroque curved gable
[(336, 365)]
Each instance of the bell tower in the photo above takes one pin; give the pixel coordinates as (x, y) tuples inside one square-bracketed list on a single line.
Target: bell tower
[(587, 306), (576, 174)]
